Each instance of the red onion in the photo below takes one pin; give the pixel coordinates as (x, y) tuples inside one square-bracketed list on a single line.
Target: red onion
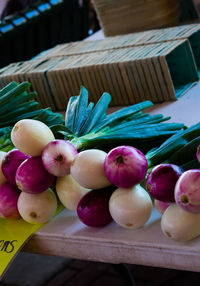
[(161, 181), (8, 201), (11, 162), (187, 191), (198, 153), (93, 208), (57, 157), (31, 176), (125, 166)]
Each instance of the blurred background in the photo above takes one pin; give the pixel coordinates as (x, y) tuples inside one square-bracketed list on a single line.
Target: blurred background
[(28, 27)]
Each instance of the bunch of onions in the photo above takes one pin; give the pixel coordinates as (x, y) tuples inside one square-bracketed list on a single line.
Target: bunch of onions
[(26, 191)]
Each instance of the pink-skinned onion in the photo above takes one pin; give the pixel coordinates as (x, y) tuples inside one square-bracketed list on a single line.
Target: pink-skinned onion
[(161, 206), (125, 166), (9, 195), (161, 182), (11, 162), (57, 157), (31, 176), (187, 191)]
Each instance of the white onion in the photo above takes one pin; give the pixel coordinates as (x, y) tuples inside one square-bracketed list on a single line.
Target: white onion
[(69, 192), (31, 136), (180, 225), (88, 169), (130, 207), (37, 208)]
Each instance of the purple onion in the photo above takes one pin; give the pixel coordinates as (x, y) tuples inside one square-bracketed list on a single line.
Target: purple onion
[(11, 162), (125, 166), (57, 157), (161, 181), (31, 176), (93, 208), (9, 195), (187, 191), (198, 153)]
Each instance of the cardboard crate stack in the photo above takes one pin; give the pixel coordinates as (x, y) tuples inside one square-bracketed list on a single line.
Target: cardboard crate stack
[(117, 17), (158, 65)]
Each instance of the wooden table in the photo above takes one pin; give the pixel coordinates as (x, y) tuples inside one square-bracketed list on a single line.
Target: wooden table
[(66, 236)]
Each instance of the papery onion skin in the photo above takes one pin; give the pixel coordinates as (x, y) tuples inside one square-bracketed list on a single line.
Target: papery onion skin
[(125, 166), (187, 191), (31, 176), (57, 157), (11, 162), (93, 208), (9, 195), (161, 182)]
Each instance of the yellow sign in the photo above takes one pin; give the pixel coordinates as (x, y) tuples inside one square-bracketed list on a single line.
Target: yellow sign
[(13, 234)]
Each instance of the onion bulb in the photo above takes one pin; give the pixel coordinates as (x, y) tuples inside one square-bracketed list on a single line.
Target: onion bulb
[(31, 176), (93, 208), (187, 191), (180, 225), (37, 208), (161, 182), (69, 192), (31, 136), (88, 169), (125, 166), (11, 162), (130, 207), (57, 157), (161, 206), (9, 195)]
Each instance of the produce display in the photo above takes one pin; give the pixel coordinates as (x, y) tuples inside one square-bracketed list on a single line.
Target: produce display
[(105, 167)]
